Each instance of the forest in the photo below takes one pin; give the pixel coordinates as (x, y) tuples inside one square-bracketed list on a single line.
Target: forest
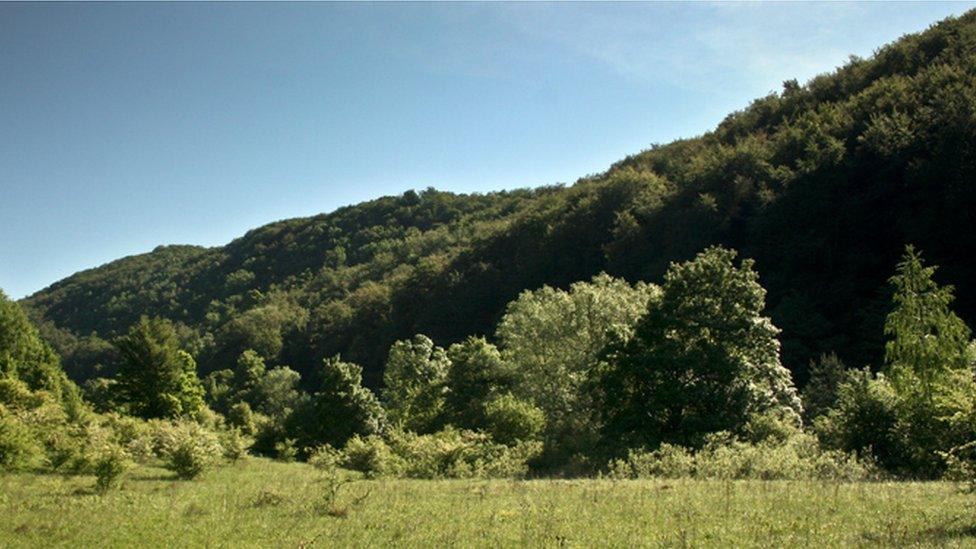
[(787, 297)]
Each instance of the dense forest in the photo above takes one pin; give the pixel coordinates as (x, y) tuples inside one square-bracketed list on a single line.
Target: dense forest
[(822, 184), (717, 291)]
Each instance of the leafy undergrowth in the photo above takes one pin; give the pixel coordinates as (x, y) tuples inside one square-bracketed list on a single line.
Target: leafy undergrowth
[(259, 503)]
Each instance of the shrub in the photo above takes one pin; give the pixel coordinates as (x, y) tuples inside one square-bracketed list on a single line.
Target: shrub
[(66, 451), (961, 463), (189, 449), (285, 450), (451, 453), (325, 457), (508, 462), (109, 469), (240, 415), (369, 455), (668, 461), (510, 420), (234, 443), (799, 457), (15, 395), (864, 419), (18, 447)]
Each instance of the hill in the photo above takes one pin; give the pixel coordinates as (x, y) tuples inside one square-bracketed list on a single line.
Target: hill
[(822, 184)]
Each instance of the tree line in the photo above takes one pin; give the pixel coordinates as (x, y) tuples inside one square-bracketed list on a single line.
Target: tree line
[(678, 378)]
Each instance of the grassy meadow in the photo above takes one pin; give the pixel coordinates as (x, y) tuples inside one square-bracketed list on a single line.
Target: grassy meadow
[(261, 503)]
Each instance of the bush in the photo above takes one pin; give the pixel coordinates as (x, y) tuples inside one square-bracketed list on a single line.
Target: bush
[(510, 420), (240, 415), (18, 447), (234, 443), (864, 419), (66, 451), (369, 455), (285, 450), (668, 461), (325, 458), (961, 463), (799, 457), (109, 469), (189, 449), (451, 453)]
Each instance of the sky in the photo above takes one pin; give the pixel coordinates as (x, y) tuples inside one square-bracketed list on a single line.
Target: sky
[(126, 126)]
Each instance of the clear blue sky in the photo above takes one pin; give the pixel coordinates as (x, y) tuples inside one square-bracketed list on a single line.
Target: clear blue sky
[(126, 126)]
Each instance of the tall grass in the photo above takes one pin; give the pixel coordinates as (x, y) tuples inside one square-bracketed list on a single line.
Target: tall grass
[(260, 503)]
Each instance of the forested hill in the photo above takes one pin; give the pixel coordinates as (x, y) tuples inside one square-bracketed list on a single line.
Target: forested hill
[(822, 184)]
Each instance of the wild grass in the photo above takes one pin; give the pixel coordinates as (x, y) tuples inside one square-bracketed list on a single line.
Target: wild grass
[(260, 503)]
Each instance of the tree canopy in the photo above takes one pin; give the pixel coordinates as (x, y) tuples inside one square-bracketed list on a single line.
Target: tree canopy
[(155, 377), (703, 359)]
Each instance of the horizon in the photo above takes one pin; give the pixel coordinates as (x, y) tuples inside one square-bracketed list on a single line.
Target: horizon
[(216, 119)]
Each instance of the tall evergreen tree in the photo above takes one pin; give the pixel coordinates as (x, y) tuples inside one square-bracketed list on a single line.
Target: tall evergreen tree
[(927, 341), (929, 362), (156, 378)]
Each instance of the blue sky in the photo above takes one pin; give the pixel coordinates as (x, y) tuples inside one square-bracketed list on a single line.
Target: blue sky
[(126, 126)]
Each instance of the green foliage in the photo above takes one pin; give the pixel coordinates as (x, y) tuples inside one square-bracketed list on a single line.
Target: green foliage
[(338, 410), (510, 420), (273, 393), (241, 417), (189, 449), (285, 450), (703, 359), (234, 444), (799, 457), (961, 463), (369, 455), (863, 419), (820, 392), (25, 356), (325, 457), (413, 383), (155, 378), (453, 453), (18, 447), (667, 461), (929, 343), (100, 392), (109, 469), (260, 330), (913, 418), (477, 375), (554, 338)]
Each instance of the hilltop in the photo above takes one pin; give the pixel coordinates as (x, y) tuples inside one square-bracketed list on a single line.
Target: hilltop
[(821, 183)]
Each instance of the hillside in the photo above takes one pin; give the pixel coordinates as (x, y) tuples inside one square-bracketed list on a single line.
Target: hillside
[(823, 184)]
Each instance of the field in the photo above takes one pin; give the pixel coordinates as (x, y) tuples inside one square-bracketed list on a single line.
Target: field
[(259, 503)]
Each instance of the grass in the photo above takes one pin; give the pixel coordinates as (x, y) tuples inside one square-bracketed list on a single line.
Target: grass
[(260, 503)]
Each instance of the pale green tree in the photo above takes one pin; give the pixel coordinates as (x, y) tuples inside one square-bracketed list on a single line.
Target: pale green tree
[(553, 339), (928, 358), (928, 344), (414, 378)]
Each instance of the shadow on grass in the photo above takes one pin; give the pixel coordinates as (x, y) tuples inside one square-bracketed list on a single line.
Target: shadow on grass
[(153, 477), (936, 535)]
